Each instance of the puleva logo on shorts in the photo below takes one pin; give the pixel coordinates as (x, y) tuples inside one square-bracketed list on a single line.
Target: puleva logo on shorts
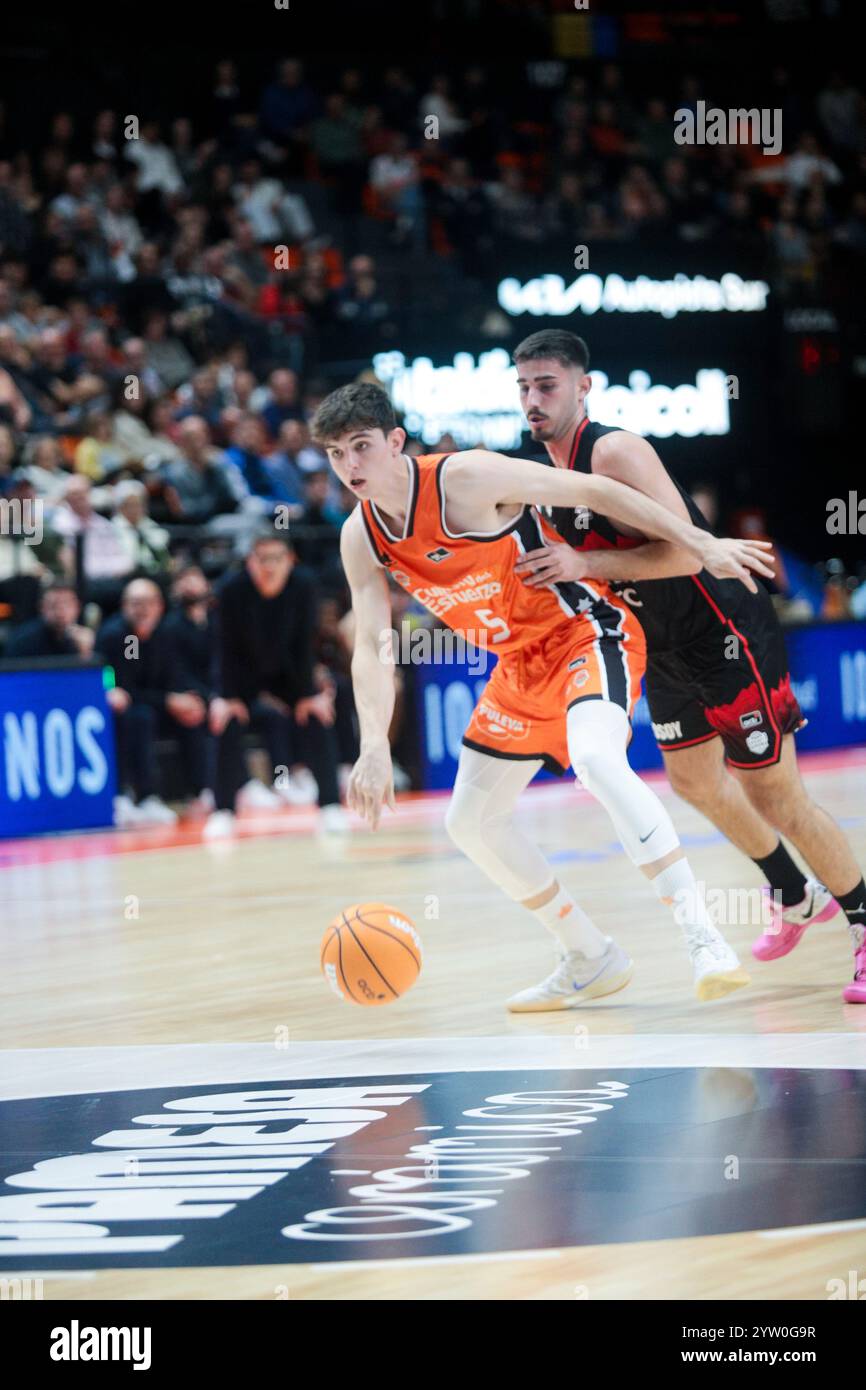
[(498, 725)]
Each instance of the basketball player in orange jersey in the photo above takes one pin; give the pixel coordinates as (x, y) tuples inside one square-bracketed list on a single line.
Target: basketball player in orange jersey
[(571, 658), (718, 685)]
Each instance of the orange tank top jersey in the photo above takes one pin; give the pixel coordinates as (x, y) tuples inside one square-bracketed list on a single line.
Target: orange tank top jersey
[(556, 645)]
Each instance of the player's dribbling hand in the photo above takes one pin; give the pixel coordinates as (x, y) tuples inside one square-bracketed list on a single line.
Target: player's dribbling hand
[(730, 559), (550, 565), (371, 785)]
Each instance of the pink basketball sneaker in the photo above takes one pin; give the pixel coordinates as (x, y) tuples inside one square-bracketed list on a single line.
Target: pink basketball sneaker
[(789, 923), (855, 993)]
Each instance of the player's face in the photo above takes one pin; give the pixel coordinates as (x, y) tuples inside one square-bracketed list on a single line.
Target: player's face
[(363, 459), (551, 396)]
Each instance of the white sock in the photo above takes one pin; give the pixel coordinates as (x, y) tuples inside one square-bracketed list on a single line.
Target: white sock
[(570, 925), (677, 887)]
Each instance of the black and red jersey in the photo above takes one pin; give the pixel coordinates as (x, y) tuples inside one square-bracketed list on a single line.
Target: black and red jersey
[(672, 612)]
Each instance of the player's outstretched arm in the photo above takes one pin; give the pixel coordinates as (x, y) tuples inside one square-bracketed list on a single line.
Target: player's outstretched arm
[(508, 480), (371, 783)]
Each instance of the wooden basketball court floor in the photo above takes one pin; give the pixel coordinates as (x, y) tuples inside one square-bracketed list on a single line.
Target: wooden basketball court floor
[(645, 1146)]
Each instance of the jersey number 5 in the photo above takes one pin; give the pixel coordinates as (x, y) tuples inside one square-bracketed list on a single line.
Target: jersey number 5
[(494, 624)]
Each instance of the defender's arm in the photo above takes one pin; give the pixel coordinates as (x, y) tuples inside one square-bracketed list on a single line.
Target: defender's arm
[(495, 477)]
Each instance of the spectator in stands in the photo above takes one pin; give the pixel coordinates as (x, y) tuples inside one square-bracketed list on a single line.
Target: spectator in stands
[(202, 397), (197, 485), (153, 698), (395, 177), (851, 233), (146, 294), (247, 453), (439, 104), (163, 429), (121, 230), (145, 542), (283, 401), (287, 107), (156, 166), (165, 354), (134, 363), (654, 133), (13, 405), (842, 112), (807, 162), (8, 455), (338, 146), (360, 303), (266, 616), (516, 213), (57, 631), (94, 549), (294, 457), (190, 625), (225, 99), (246, 254), (97, 455), (259, 202), (45, 466), (318, 532), (464, 209)]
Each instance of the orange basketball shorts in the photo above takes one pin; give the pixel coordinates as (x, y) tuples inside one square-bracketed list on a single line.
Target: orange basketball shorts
[(523, 709)]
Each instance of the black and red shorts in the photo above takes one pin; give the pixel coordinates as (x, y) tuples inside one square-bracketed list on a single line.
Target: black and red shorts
[(732, 683)]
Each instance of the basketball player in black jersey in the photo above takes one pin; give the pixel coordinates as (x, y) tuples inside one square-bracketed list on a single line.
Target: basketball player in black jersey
[(717, 683)]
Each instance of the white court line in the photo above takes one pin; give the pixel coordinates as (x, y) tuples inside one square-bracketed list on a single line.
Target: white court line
[(828, 1228), (76, 1070), (406, 1261)]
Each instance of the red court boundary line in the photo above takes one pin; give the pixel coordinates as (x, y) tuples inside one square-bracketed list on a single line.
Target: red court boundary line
[(414, 808)]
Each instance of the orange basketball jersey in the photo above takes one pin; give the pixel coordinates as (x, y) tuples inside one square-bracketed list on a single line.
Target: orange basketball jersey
[(468, 581)]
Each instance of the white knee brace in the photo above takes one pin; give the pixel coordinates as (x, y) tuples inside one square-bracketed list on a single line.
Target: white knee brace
[(597, 740), (480, 821)]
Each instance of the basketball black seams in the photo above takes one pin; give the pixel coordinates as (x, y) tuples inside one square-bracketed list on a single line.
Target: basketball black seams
[(371, 926), (361, 947)]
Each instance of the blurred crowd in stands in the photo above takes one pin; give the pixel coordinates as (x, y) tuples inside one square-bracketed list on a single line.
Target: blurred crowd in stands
[(175, 298)]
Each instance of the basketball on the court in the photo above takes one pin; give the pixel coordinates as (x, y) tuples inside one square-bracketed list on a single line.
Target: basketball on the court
[(371, 953)]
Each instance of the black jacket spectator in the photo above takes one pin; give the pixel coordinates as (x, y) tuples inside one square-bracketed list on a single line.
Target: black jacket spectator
[(192, 648), (266, 643), (149, 675), (38, 638)]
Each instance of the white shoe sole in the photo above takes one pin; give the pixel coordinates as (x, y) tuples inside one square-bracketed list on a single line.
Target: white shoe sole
[(719, 983), (609, 984)]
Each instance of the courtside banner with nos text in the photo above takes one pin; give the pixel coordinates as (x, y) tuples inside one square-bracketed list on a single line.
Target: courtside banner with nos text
[(57, 768), (828, 669)]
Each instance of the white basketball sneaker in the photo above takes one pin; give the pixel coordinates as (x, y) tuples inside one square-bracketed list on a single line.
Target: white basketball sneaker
[(575, 980), (220, 825), (153, 811), (716, 964), (255, 796), (333, 820), (126, 813)]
